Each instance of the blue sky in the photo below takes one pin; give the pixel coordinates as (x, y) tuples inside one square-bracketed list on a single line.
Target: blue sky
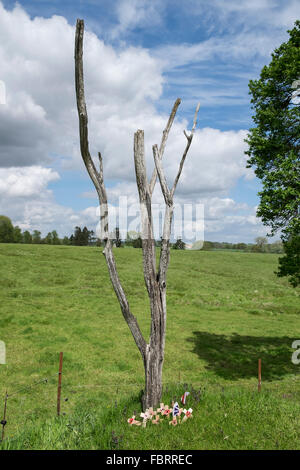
[(139, 57)]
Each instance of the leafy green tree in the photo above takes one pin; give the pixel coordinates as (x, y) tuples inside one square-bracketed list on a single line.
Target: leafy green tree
[(131, 237), (197, 245), (289, 264), (55, 238), (27, 237), (48, 238), (274, 142), (85, 236), (66, 241), (137, 242), (92, 238), (117, 240), (208, 245), (81, 237), (261, 243), (128, 241), (241, 246), (179, 245), (36, 237), (158, 243), (255, 248), (276, 247), (17, 235), (99, 242), (77, 239), (6, 230)]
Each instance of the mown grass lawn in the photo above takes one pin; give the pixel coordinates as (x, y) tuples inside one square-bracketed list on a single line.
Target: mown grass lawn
[(225, 310)]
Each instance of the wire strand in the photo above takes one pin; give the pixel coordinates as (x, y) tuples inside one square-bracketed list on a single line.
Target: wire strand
[(28, 387)]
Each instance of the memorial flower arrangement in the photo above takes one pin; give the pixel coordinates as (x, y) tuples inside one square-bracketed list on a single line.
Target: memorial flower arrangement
[(164, 413)]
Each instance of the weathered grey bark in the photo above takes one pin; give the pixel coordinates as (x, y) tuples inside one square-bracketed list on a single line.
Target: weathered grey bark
[(152, 352)]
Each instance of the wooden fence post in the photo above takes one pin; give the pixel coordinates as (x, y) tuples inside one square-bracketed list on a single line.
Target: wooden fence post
[(259, 375), (3, 422), (59, 382)]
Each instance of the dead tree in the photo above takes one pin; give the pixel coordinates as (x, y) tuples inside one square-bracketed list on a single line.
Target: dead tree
[(152, 352)]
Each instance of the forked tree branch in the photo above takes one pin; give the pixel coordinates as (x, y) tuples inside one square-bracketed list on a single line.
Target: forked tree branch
[(168, 196), (167, 193), (97, 178), (189, 141), (163, 142), (161, 176), (148, 245)]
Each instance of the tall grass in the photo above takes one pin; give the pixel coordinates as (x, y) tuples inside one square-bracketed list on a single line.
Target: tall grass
[(228, 419)]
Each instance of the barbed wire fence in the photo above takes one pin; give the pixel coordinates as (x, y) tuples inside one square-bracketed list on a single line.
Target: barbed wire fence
[(20, 390), (81, 390), (68, 389), (65, 391)]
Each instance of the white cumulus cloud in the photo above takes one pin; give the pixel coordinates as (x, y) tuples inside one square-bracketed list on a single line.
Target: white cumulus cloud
[(24, 182), (39, 121)]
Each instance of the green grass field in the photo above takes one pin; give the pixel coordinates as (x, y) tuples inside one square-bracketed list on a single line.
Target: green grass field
[(225, 310)]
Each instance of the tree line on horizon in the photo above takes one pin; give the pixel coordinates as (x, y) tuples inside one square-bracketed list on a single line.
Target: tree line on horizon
[(13, 234), (84, 237)]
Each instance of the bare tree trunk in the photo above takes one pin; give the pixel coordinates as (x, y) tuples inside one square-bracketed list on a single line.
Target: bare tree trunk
[(153, 352), (153, 378)]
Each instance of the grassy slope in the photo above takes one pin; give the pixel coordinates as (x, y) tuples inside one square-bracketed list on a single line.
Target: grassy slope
[(224, 311)]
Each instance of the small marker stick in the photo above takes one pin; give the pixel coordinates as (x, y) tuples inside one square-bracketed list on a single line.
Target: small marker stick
[(59, 382)]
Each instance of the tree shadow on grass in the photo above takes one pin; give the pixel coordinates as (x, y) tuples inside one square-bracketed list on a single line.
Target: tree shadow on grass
[(235, 357)]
